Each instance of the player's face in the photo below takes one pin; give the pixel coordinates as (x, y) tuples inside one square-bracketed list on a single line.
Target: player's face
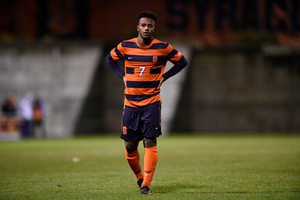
[(146, 27)]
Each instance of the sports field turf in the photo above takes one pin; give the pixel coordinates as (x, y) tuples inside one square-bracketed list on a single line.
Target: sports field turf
[(189, 167)]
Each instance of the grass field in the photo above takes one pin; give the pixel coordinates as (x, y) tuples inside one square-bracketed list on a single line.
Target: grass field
[(189, 167)]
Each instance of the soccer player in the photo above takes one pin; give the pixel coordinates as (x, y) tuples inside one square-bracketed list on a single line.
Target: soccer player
[(145, 59)]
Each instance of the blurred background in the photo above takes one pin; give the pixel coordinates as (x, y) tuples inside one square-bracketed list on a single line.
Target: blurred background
[(243, 73)]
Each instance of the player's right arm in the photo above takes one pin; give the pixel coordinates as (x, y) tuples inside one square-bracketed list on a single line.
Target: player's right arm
[(112, 58), (114, 65)]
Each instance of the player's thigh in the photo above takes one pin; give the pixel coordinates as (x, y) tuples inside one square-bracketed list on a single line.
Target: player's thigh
[(151, 120), (130, 126)]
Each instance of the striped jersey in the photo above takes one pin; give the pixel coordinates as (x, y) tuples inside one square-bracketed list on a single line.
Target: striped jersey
[(144, 68)]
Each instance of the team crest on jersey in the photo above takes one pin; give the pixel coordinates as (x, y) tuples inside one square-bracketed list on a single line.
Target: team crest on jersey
[(154, 58)]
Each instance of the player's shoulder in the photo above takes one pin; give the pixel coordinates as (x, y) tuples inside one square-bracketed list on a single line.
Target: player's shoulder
[(159, 44), (131, 43), (131, 40), (156, 41)]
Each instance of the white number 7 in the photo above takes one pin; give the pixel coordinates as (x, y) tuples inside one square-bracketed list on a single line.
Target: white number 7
[(142, 70)]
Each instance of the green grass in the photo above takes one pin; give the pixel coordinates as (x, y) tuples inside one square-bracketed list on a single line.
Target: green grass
[(189, 167)]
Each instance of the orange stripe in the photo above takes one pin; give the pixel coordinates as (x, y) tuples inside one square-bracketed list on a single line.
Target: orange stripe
[(114, 55), (152, 65), (147, 52), (176, 57), (141, 91), (136, 63), (169, 49)]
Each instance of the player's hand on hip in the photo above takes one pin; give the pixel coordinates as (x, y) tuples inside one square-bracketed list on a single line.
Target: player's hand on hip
[(124, 80), (160, 83)]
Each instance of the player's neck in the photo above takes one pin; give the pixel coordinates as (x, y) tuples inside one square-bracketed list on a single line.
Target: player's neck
[(143, 42)]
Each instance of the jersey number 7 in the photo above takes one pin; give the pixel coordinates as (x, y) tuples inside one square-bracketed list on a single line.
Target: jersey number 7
[(142, 70)]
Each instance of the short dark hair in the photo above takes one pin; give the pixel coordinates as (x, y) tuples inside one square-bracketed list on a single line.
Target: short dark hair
[(147, 14)]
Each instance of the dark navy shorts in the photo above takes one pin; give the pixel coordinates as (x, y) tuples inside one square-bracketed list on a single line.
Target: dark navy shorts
[(141, 123)]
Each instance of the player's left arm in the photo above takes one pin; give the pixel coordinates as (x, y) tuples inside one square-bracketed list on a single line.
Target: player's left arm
[(178, 66)]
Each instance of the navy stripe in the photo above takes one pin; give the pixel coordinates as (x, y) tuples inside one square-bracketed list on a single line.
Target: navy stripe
[(142, 84), (159, 46), (129, 70), (119, 53), (137, 58), (130, 44), (155, 70), (139, 97), (172, 54)]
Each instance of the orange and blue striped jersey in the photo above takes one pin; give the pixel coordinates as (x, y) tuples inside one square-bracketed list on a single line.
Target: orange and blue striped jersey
[(144, 68)]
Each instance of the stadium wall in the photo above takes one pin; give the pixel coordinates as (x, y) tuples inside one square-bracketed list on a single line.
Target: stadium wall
[(241, 90)]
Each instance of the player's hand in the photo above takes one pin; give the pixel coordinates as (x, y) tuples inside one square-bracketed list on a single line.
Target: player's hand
[(124, 80), (160, 83)]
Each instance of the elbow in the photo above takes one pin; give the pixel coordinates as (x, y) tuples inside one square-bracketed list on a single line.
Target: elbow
[(108, 58), (184, 61)]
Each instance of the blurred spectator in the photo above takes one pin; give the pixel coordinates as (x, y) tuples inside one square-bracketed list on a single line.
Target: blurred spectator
[(25, 111), (38, 117), (8, 106)]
